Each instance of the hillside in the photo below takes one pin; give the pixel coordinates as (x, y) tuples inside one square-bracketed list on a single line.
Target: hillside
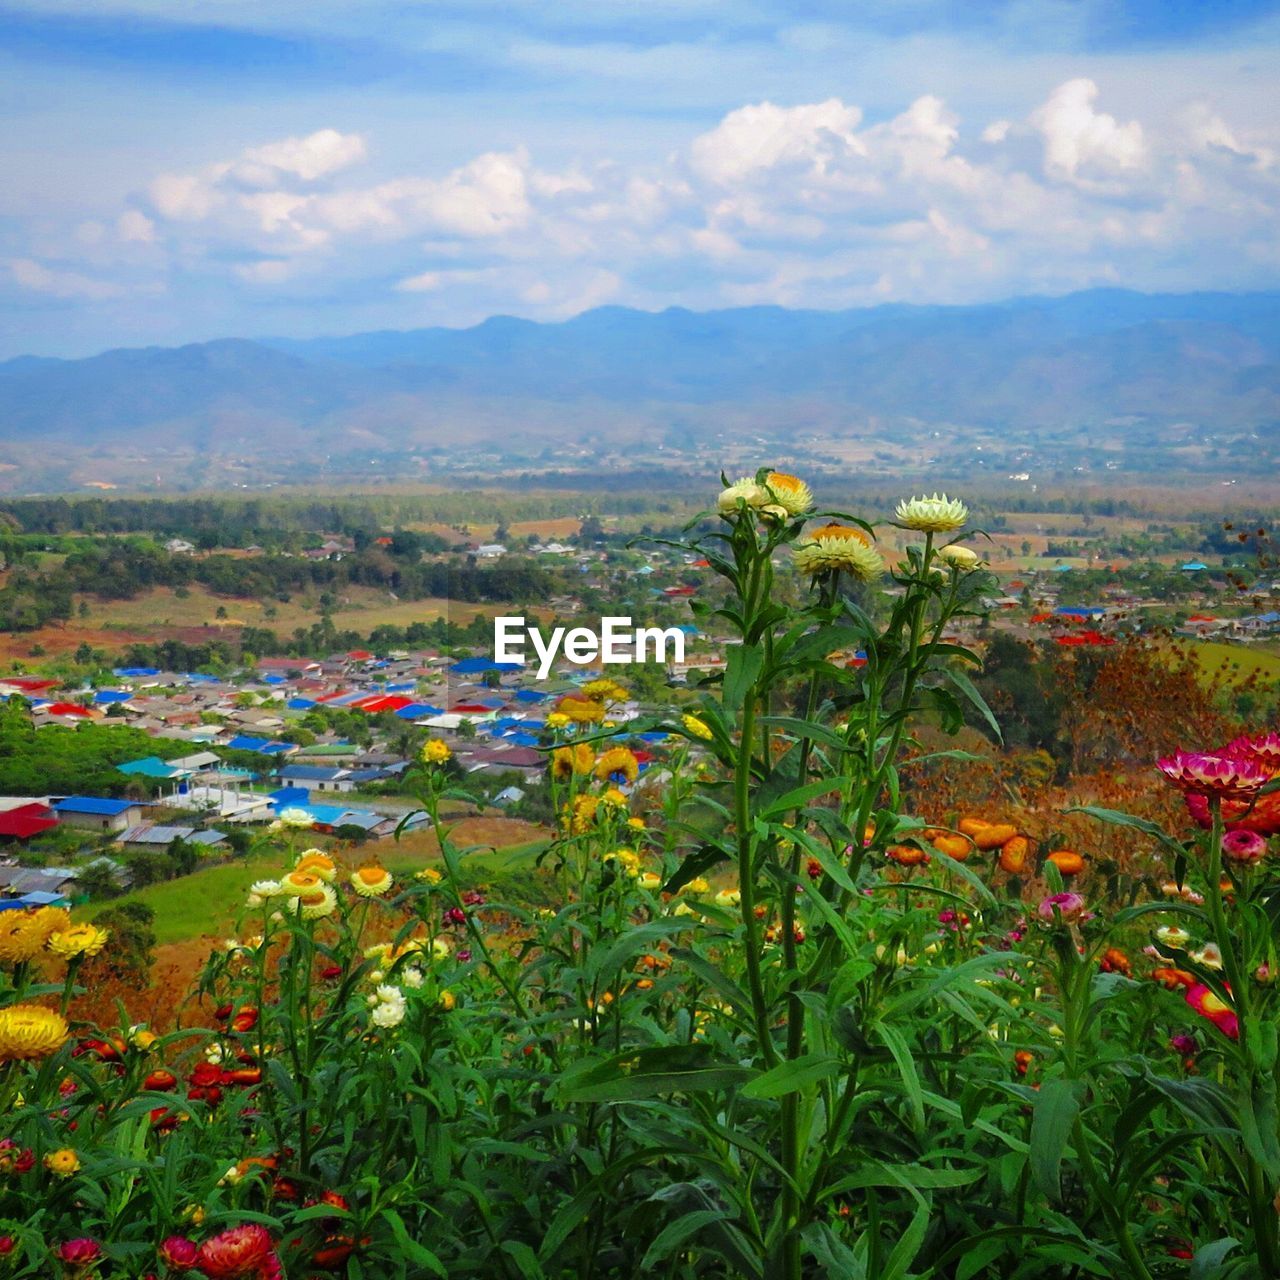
[(1115, 369)]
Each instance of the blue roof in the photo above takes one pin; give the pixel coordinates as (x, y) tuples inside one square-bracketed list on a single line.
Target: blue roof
[(1080, 611), (199, 677), (98, 805), (531, 695), (288, 796), (300, 704), (242, 742), (274, 679), (523, 739), (39, 898), (326, 813), (105, 696), (652, 737), (403, 687), (416, 710), (309, 773), (137, 671), (1195, 565), (1061, 568), (473, 666)]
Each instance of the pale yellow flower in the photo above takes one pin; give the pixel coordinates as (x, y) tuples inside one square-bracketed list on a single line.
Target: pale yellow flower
[(696, 728), (958, 557), (836, 548), (79, 940), (791, 494), (729, 501), (938, 514), (371, 881)]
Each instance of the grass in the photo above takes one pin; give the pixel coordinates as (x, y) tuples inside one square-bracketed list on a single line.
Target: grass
[(207, 902), (1234, 663)]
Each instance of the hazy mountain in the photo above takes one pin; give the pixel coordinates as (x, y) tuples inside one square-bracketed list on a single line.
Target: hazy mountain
[(1022, 367)]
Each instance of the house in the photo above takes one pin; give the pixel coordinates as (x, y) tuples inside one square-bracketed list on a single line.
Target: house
[(96, 813), (317, 777), (18, 882), (26, 820), (152, 767), (179, 547), (508, 796), (490, 551)]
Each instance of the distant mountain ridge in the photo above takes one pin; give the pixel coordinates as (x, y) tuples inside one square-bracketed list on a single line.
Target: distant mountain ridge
[(1023, 366)]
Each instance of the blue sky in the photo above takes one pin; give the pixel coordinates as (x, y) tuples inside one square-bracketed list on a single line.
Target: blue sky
[(245, 167)]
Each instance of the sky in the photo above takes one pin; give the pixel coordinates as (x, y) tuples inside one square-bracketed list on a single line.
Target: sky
[(176, 172)]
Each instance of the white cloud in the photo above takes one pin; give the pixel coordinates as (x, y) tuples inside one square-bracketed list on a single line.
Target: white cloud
[(1080, 142), (134, 227), (317, 155), (33, 275)]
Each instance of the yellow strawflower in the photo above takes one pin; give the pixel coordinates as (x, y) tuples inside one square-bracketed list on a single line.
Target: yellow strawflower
[(30, 1031), (435, 752), (938, 514), (371, 881), (696, 728), (617, 760), (62, 1163), (836, 548), (791, 494), (79, 940)]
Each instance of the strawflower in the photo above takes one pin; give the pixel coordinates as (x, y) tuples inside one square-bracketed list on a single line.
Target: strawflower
[(178, 1252), (617, 761), (1243, 846), (746, 491), (696, 728), (790, 493), (79, 940), (242, 1253), (938, 514), (80, 1252), (62, 1163), (1228, 777), (581, 710), (435, 751), (1208, 1005), (566, 762), (30, 1031), (1065, 908), (836, 548), (371, 881), (961, 558)]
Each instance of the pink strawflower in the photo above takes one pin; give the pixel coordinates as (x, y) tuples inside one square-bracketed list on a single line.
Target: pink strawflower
[(80, 1252), (1229, 777), (1264, 749), (178, 1253), (1061, 907), (1243, 846), (1183, 1043)]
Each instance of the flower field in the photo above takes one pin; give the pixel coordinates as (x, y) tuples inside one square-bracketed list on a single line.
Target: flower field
[(775, 1026)]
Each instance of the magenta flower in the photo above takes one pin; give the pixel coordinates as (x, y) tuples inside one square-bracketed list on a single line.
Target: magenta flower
[(1243, 846), (1264, 749), (1061, 907), (1183, 1043), (179, 1253), (1229, 777), (81, 1252)]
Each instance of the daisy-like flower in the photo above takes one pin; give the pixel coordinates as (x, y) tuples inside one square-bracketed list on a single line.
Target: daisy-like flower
[(317, 903), (607, 691), (1065, 908), (938, 514), (1228, 777), (297, 818), (1209, 956), (389, 1014), (20, 937), (962, 558), (371, 881), (627, 859), (178, 1253), (246, 1252), (1264, 749), (697, 885), (696, 728), (728, 898), (1171, 936), (265, 889), (63, 1163), (617, 760), (566, 762), (790, 493), (297, 881), (613, 799), (746, 491), (317, 863), (30, 1031), (582, 710), (650, 880), (79, 940), (430, 874), (435, 751), (836, 548), (558, 720), (81, 1252), (1243, 846)]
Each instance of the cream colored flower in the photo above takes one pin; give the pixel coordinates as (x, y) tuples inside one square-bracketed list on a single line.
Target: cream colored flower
[(299, 819), (371, 881), (265, 888), (728, 898), (958, 557), (730, 500), (835, 548), (938, 514), (389, 1015), (791, 494)]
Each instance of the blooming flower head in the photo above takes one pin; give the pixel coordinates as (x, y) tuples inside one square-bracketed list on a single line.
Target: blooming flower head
[(1228, 777), (1171, 936), (371, 881), (1209, 956), (178, 1253), (746, 491), (299, 880), (958, 557), (80, 1252), (836, 548), (298, 818), (617, 761), (1243, 846), (430, 874), (650, 880), (79, 940), (245, 1252), (610, 692), (1061, 907), (388, 1014), (728, 898), (566, 762), (315, 904), (1208, 1005), (788, 492), (627, 859), (558, 720), (696, 728), (581, 710), (1263, 749), (435, 751), (30, 1031), (21, 939), (938, 514), (62, 1163), (317, 863)]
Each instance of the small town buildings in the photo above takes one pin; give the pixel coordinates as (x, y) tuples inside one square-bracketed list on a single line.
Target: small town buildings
[(97, 813)]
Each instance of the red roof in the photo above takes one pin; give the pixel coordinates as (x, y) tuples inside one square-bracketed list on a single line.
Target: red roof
[(680, 591), (359, 655), (1202, 617), (471, 708), (32, 684), (26, 820), (67, 709), (373, 705)]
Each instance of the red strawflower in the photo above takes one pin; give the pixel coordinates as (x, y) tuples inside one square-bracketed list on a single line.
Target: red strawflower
[(160, 1081), (80, 1252), (246, 1252), (179, 1253)]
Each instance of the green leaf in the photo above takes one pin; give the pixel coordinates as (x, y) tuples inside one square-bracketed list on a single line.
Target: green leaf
[(525, 1259), (1115, 818), (978, 1257), (674, 1234), (716, 978), (1057, 1106), (1209, 1258), (792, 1076), (800, 796), (647, 1073), (970, 691), (741, 669), (897, 1046)]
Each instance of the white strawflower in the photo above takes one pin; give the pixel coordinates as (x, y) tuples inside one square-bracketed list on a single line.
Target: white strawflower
[(788, 492), (265, 888), (835, 548), (389, 1015), (295, 817), (938, 514), (253, 902), (412, 978), (388, 994)]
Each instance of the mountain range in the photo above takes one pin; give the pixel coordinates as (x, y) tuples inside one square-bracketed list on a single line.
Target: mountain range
[(1101, 359)]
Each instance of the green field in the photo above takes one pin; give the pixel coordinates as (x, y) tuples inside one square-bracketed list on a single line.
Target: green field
[(207, 902), (1234, 662)]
